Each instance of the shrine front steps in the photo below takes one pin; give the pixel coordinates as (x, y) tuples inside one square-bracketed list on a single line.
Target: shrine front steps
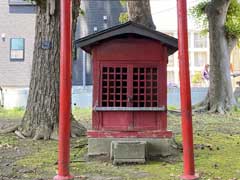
[(100, 148)]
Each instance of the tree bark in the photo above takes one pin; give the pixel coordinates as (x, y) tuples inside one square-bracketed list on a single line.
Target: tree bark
[(40, 120), (140, 12), (220, 96)]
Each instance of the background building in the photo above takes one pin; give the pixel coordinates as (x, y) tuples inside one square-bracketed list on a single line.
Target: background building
[(17, 30), (165, 17), (17, 24), (98, 15)]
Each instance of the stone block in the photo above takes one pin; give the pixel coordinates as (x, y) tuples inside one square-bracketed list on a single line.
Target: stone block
[(128, 152)]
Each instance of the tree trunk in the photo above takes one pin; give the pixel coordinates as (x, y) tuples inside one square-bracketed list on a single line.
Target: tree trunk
[(140, 12), (220, 96), (40, 120)]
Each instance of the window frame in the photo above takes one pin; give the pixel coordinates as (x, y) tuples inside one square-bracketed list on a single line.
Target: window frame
[(10, 51), (199, 40), (21, 3), (196, 58)]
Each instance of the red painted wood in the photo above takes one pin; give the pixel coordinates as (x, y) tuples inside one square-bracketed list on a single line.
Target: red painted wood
[(149, 59), (116, 120), (163, 91), (145, 120), (130, 49), (129, 134), (185, 92), (96, 120), (65, 91), (130, 95)]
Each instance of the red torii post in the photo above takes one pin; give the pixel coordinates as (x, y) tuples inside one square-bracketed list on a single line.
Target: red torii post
[(65, 90), (185, 92)]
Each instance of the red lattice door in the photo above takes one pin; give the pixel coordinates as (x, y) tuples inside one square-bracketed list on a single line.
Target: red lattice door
[(129, 96)]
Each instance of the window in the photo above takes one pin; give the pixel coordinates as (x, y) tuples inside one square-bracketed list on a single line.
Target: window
[(17, 49), (121, 90), (200, 58), (200, 41), (145, 87), (114, 86)]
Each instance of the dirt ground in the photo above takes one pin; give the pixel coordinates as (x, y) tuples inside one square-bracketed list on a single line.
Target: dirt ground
[(11, 150)]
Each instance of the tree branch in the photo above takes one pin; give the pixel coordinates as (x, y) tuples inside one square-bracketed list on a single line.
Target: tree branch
[(232, 42), (220, 6)]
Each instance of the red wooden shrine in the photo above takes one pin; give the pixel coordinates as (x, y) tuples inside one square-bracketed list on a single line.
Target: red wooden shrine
[(129, 81), (133, 33)]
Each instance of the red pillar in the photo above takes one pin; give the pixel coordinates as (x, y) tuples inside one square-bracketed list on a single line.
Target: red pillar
[(185, 92), (65, 90)]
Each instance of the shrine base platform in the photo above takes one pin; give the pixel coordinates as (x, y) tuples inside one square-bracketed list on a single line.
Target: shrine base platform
[(155, 146)]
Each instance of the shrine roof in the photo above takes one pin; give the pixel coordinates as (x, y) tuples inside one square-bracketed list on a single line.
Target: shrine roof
[(122, 30)]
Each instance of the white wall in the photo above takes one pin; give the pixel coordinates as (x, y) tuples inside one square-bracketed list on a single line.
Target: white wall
[(17, 97), (14, 97), (164, 14)]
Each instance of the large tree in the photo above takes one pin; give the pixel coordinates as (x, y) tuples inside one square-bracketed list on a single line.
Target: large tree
[(140, 12), (40, 120), (221, 18)]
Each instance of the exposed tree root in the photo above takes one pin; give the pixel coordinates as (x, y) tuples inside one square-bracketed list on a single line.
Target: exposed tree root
[(45, 133), (201, 107), (19, 134), (221, 108), (175, 112), (9, 129), (77, 130), (217, 109)]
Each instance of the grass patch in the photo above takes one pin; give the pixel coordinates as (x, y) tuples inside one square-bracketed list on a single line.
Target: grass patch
[(8, 141), (170, 107), (220, 157), (83, 114), (41, 160), (15, 113), (216, 139)]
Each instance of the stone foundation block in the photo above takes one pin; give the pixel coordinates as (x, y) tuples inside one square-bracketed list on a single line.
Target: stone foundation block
[(128, 152)]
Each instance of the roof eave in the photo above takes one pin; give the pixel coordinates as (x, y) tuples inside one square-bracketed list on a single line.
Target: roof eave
[(128, 28)]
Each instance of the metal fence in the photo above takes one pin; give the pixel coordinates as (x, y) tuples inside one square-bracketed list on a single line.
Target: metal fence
[(82, 97)]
